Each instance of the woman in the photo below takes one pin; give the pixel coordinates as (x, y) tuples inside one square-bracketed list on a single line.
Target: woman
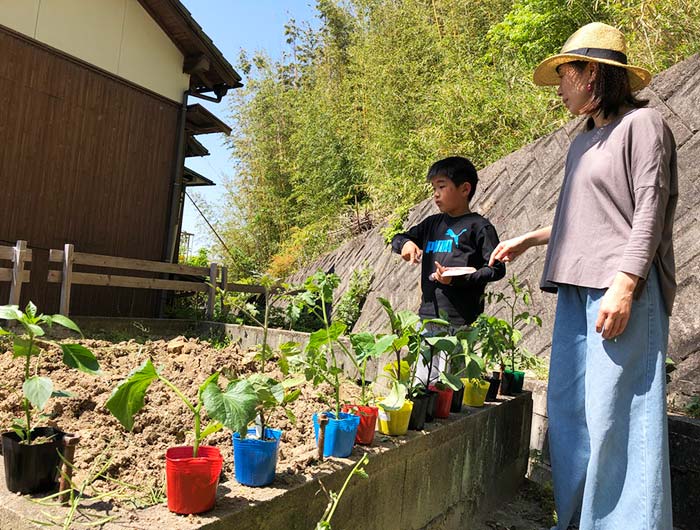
[(610, 258)]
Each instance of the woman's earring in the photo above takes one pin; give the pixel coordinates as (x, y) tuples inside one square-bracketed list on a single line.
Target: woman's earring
[(589, 87)]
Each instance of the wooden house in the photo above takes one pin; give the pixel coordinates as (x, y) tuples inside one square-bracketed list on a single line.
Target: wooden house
[(98, 111)]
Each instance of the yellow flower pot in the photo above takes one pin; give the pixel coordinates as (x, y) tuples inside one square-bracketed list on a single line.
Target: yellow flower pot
[(395, 422), (474, 392)]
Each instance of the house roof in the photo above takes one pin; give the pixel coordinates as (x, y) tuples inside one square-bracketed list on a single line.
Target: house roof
[(201, 121), (192, 178), (208, 68), (194, 148)]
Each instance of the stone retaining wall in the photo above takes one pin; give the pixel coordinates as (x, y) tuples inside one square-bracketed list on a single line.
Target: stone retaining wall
[(519, 192)]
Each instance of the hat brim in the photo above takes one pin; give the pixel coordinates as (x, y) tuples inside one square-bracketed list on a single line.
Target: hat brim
[(546, 72)]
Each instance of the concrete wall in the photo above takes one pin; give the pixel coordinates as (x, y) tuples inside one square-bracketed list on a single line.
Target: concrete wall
[(118, 36), (519, 193)]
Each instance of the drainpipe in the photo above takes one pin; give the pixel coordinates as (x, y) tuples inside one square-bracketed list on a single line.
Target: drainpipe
[(174, 217), (175, 214)]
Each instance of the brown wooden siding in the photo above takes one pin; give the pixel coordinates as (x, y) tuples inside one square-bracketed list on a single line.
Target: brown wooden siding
[(84, 159)]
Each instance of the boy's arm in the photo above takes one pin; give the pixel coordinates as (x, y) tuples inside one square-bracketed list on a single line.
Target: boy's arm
[(487, 241), (416, 234)]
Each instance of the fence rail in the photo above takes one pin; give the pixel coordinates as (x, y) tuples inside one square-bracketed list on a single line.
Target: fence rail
[(18, 255), (67, 277)]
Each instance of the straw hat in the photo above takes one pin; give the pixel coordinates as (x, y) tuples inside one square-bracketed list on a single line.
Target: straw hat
[(593, 42)]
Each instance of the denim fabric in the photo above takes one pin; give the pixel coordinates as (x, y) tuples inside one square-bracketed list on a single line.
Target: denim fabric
[(606, 404)]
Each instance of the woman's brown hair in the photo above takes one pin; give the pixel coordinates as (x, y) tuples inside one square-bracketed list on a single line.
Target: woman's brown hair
[(610, 91)]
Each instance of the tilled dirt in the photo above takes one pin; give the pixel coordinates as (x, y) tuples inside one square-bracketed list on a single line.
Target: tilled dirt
[(138, 458)]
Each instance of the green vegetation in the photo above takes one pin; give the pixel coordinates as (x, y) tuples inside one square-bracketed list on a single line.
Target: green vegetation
[(27, 345), (350, 304), (360, 105)]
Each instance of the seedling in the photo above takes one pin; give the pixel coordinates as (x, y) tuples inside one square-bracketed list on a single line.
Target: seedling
[(502, 337), (334, 498), (234, 408), (36, 389)]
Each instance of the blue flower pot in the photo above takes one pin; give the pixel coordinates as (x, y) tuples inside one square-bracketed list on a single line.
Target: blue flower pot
[(255, 460), (340, 434)]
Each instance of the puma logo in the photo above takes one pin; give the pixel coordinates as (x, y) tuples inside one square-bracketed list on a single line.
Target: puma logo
[(454, 236)]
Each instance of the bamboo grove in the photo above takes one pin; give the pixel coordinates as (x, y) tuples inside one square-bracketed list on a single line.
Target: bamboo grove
[(371, 92)]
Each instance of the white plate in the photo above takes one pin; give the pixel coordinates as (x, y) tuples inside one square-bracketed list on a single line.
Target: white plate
[(458, 271)]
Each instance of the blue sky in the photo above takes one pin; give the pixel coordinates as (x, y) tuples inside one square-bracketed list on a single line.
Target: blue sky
[(252, 25)]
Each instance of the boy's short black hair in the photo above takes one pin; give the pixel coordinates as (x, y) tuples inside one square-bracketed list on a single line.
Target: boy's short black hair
[(456, 168)]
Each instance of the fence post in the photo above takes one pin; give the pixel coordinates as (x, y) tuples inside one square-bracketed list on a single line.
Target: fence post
[(223, 284), (17, 271), (67, 279), (211, 299)]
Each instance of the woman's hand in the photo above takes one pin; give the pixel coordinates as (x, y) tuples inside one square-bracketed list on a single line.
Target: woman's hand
[(616, 306), (411, 253), (510, 249)]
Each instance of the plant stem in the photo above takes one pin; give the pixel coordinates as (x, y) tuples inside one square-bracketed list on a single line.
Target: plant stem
[(195, 411), (27, 406), (336, 379), (360, 462)]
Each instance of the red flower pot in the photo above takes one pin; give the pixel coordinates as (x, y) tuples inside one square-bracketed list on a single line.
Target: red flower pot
[(192, 482), (368, 422), (444, 401)]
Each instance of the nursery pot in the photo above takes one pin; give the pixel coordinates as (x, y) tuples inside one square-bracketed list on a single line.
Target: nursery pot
[(494, 384), (430, 409), (192, 482), (255, 459), (443, 402), (418, 414), (32, 468), (340, 434), (368, 422), (457, 397), (512, 382), (475, 392), (395, 422)]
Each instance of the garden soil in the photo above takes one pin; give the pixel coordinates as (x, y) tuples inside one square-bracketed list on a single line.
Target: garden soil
[(135, 462)]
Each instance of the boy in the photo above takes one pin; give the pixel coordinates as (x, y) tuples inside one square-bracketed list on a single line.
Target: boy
[(456, 237)]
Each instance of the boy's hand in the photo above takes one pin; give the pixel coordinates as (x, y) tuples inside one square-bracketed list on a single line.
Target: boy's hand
[(439, 269), (411, 253)]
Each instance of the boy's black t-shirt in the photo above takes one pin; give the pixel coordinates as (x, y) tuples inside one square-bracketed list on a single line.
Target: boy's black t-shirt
[(464, 241)]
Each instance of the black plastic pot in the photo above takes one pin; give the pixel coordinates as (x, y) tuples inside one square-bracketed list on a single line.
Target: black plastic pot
[(457, 397), (32, 468), (512, 383), (430, 409), (494, 384), (420, 408)]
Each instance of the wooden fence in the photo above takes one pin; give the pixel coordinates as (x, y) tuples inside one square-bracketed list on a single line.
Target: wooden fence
[(18, 255), (197, 279), (67, 277)]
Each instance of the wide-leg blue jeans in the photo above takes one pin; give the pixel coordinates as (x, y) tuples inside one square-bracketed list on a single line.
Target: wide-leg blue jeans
[(606, 403)]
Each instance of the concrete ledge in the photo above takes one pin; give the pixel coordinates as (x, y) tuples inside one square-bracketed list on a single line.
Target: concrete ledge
[(440, 478)]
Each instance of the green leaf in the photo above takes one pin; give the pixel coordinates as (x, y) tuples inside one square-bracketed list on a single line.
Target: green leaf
[(65, 322), (30, 310), (127, 398), (213, 377), (214, 426), (290, 415), (451, 380), (396, 397), (38, 390), (292, 396), (3, 332), (235, 408), (80, 358), (62, 394), (383, 344), (34, 330), (20, 347), (446, 344), (408, 320), (10, 312)]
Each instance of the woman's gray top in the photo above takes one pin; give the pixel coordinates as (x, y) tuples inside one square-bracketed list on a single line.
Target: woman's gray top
[(616, 206)]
